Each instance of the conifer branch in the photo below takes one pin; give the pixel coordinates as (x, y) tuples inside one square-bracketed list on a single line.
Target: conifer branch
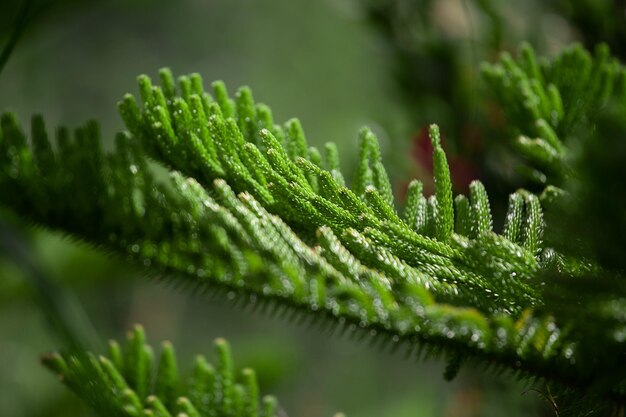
[(547, 101), (251, 207), (330, 252), (132, 382)]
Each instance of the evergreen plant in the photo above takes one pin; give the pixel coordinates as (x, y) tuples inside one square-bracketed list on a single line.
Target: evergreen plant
[(247, 207)]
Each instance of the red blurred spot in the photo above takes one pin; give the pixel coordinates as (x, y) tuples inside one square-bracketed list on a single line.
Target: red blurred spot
[(462, 170)]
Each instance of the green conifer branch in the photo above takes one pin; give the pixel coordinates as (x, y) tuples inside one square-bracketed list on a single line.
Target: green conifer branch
[(547, 101), (251, 208), (130, 383), (364, 265)]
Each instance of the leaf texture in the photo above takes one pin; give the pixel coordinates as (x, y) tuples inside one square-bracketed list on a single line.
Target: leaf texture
[(547, 101), (250, 207), (127, 383)]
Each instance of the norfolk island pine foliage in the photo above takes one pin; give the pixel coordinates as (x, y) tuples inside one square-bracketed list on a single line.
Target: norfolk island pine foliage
[(250, 207)]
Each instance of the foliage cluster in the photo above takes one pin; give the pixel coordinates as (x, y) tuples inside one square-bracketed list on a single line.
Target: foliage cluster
[(207, 190)]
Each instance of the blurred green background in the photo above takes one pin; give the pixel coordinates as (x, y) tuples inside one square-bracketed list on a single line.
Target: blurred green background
[(337, 65)]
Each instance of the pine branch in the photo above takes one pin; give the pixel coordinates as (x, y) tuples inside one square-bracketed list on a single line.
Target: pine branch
[(249, 206), (547, 101), (132, 382)]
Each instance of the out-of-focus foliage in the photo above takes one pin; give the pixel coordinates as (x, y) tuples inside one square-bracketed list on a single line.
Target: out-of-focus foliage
[(437, 46), (432, 43), (596, 21), (585, 284), (131, 382), (545, 102)]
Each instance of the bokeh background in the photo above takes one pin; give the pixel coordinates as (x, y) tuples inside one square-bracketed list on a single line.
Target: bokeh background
[(393, 65)]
